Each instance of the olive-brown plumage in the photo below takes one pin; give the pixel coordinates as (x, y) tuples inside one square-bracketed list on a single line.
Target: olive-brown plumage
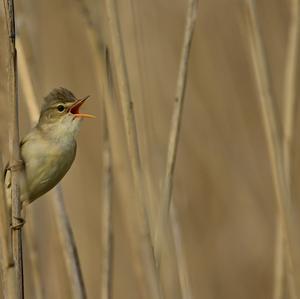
[(48, 151)]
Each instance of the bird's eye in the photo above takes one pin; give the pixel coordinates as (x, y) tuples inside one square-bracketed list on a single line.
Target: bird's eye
[(60, 108)]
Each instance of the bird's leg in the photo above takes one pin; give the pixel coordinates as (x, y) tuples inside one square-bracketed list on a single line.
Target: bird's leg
[(17, 165), (20, 221)]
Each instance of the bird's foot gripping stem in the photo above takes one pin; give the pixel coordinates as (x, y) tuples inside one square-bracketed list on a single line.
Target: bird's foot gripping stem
[(17, 165), (20, 222)]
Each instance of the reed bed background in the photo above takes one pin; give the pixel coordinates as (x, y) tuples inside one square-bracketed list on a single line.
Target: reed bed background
[(208, 211)]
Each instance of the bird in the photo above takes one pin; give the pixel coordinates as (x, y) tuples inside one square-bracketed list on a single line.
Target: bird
[(49, 149)]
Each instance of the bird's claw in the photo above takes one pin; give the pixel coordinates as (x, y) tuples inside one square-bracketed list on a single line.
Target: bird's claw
[(18, 225), (17, 165)]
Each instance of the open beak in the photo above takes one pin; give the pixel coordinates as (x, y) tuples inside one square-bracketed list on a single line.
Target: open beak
[(74, 109)]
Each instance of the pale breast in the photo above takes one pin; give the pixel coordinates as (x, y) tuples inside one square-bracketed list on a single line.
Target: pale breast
[(46, 163)]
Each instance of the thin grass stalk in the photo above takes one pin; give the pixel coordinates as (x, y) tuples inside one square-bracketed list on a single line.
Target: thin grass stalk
[(165, 218), (290, 78), (4, 292), (107, 230), (271, 124), (115, 139), (133, 147), (145, 137), (68, 246), (35, 272), (62, 221), (177, 117), (178, 107), (3, 273), (169, 271), (184, 280), (7, 260), (6, 257), (26, 84), (6, 250), (279, 261), (15, 159), (289, 98), (107, 235), (98, 53), (115, 135)]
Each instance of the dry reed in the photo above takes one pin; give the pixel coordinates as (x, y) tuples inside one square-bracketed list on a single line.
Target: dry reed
[(6, 258), (107, 235), (103, 69), (289, 97), (290, 77), (32, 252), (178, 107), (107, 230), (271, 123), (4, 225), (62, 221), (68, 246), (165, 217), (133, 147), (15, 159), (96, 46), (26, 86)]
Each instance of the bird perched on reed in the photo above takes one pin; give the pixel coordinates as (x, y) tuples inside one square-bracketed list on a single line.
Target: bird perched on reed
[(49, 149)]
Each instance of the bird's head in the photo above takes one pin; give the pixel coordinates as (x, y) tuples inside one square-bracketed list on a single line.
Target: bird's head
[(61, 108)]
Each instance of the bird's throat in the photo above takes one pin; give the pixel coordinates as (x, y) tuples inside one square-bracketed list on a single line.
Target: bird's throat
[(62, 130)]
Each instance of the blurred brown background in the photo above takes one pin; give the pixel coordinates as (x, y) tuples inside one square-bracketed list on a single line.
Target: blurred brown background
[(223, 187)]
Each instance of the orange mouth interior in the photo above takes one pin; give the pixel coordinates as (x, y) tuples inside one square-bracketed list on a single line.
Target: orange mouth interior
[(75, 109)]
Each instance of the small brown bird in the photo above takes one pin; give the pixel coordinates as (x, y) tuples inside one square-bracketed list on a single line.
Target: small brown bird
[(48, 151)]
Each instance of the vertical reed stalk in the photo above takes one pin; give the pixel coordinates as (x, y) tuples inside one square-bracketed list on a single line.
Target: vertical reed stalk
[(165, 217), (184, 280), (68, 246), (15, 160), (127, 104), (35, 273), (289, 97), (26, 83), (61, 217), (101, 68), (3, 272), (290, 83), (271, 124), (107, 235), (178, 107), (97, 51), (6, 257), (279, 260), (6, 251), (26, 86), (107, 230)]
